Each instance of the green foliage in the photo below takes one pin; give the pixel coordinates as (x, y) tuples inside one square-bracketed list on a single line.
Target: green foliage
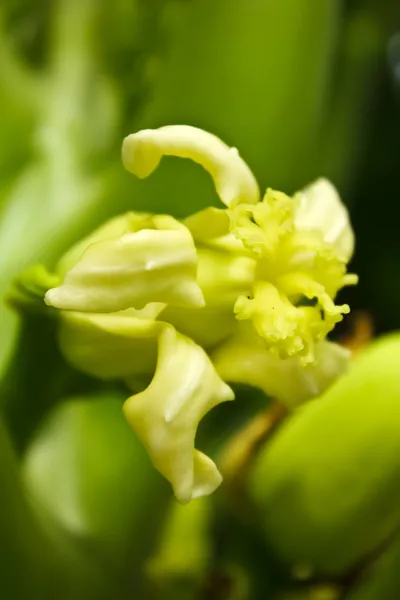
[(292, 84)]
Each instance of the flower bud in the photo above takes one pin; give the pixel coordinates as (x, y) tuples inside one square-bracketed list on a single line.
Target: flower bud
[(184, 551)]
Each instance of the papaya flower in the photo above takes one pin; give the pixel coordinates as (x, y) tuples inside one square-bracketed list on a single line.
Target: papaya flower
[(244, 293)]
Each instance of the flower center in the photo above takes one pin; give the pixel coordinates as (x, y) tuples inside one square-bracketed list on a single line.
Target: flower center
[(298, 275)]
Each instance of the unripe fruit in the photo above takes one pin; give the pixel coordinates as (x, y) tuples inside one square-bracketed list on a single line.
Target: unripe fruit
[(327, 485)]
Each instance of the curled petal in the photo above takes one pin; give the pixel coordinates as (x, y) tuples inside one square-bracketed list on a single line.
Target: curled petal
[(166, 415), (113, 228), (320, 208), (151, 265), (234, 182), (245, 359)]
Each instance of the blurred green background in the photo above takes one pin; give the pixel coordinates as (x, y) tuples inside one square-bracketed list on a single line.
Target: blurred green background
[(303, 88)]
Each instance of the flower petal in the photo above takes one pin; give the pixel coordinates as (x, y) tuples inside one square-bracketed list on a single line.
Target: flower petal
[(245, 359), (151, 265), (223, 276), (208, 224), (208, 326), (234, 182), (111, 346), (321, 208), (166, 415), (126, 223)]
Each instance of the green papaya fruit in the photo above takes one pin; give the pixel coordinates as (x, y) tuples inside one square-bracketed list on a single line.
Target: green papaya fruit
[(327, 485)]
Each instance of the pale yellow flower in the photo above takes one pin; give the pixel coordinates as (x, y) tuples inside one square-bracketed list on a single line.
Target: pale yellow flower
[(244, 293)]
